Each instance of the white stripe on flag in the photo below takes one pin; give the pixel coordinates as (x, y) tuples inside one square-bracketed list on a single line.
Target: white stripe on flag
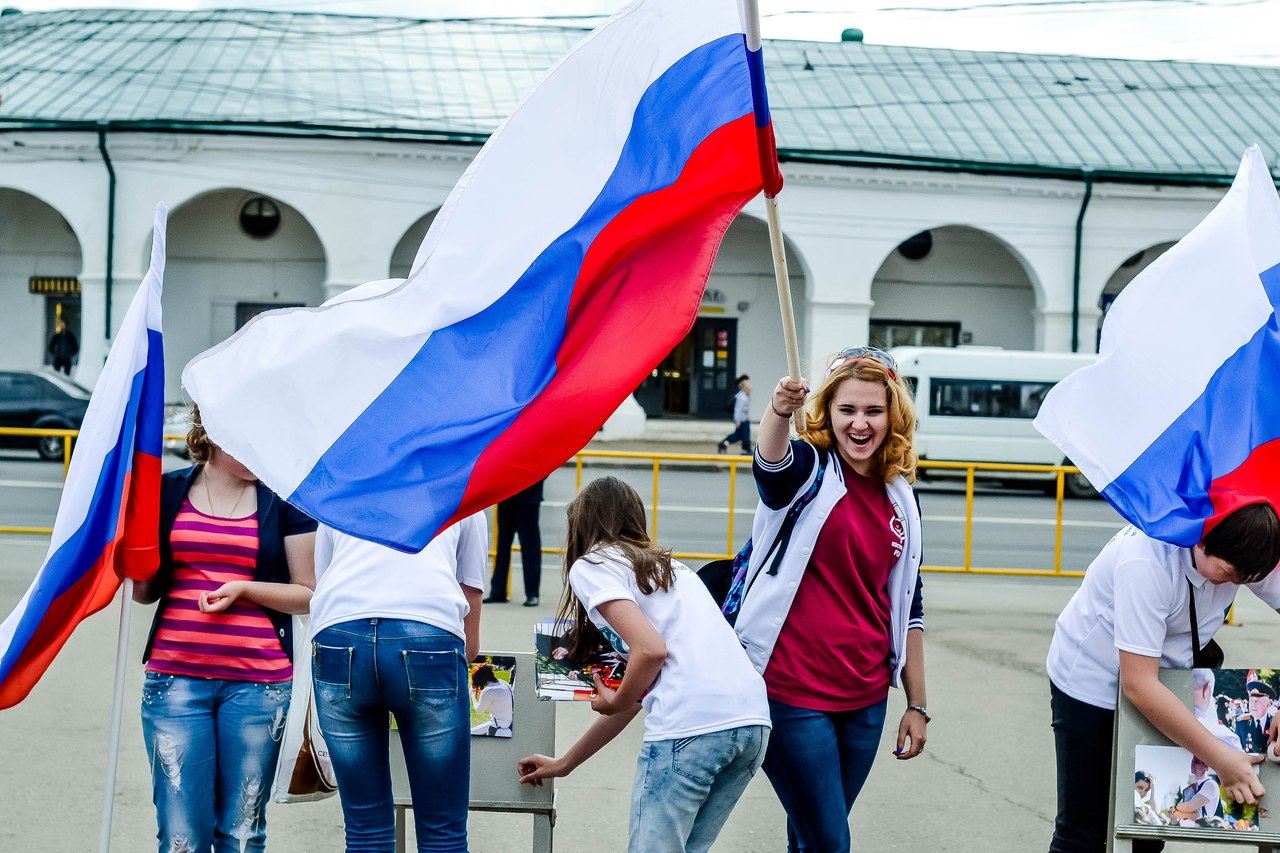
[(532, 181)]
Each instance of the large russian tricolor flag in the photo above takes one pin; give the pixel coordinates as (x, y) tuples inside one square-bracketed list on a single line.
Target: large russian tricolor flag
[(108, 520), (1178, 422), (570, 258)]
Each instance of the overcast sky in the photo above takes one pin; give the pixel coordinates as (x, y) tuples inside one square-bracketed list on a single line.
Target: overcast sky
[(1238, 31)]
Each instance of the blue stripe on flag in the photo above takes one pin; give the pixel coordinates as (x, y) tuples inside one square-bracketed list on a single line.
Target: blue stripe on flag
[(151, 405), (1167, 486), (759, 92), (470, 381)]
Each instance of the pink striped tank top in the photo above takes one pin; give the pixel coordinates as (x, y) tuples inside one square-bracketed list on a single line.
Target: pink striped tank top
[(238, 644)]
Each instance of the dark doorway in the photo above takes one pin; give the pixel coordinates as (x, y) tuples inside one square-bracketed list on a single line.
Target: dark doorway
[(696, 378), (246, 311)]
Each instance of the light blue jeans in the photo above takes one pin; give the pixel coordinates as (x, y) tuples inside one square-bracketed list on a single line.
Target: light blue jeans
[(213, 746), (686, 788)]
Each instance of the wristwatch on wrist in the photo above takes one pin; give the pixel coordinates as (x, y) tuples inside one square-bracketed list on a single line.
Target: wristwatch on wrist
[(922, 711)]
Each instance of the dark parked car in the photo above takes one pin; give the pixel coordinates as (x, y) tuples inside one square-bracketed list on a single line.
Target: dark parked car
[(40, 399)]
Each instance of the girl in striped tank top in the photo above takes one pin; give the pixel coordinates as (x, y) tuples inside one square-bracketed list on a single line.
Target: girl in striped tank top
[(236, 561)]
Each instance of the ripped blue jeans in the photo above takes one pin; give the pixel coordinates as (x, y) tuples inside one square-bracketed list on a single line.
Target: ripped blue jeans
[(213, 746)]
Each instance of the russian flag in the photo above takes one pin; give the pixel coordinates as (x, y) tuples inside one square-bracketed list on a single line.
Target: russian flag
[(108, 521), (570, 258), (1178, 422)]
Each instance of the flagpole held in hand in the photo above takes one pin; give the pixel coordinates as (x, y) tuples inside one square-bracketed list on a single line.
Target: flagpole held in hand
[(117, 708), (772, 186)]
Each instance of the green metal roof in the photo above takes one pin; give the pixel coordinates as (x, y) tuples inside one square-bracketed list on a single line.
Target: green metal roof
[(319, 74)]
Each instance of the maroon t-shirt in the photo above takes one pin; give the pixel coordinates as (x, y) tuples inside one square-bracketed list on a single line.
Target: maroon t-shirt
[(833, 652)]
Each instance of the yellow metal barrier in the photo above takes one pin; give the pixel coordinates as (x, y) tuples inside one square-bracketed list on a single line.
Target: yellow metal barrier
[(731, 464), (970, 469)]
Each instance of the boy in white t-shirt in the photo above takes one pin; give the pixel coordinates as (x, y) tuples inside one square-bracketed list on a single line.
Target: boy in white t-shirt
[(708, 715), (1132, 615)]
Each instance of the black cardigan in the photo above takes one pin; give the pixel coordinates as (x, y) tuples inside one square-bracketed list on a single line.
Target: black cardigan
[(276, 520)]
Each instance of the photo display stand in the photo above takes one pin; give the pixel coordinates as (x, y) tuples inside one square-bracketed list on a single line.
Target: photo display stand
[(494, 784), (1139, 746)]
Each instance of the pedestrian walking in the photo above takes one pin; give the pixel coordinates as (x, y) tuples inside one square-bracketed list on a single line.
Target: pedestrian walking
[(518, 516), (235, 563), (741, 418), (708, 717), (836, 617)]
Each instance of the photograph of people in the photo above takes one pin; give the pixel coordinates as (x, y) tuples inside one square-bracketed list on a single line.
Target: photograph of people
[(493, 697), (1251, 725), (1144, 808), (837, 618), (1204, 705), (1201, 799)]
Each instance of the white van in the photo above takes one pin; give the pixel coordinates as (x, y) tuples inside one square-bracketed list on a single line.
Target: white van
[(977, 404)]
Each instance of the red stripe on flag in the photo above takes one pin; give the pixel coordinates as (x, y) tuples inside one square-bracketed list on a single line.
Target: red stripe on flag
[(87, 596), (138, 548), (137, 529), (636, 296)]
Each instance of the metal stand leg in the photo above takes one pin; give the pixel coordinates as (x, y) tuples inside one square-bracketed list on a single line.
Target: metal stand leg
[(401, 843), (543, 828)]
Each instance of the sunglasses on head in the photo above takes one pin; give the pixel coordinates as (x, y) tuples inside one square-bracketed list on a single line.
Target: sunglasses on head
[(858, 353)]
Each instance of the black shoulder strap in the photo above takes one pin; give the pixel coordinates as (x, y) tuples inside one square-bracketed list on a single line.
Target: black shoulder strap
[(773, 559), (1195, 623)]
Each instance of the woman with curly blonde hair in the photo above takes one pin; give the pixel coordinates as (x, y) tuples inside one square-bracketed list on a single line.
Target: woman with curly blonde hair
[(832, 612)]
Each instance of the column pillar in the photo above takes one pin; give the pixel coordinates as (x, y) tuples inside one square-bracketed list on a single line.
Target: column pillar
[(830, 326)]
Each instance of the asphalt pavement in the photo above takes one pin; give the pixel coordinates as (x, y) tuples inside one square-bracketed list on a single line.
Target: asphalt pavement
[(985, 782)]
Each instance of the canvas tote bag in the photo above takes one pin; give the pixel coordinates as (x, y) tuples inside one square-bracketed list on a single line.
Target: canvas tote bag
[(304, 772)]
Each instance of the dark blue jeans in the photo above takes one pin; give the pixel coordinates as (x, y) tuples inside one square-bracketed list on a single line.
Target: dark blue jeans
[(741, 434), (817, 762), (367, 668)]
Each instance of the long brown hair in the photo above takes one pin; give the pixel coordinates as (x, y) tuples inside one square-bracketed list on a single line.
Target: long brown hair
[(896, 455), (607, 512)]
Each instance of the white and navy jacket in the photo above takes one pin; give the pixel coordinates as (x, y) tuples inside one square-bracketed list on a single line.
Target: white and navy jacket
[(768, 597)]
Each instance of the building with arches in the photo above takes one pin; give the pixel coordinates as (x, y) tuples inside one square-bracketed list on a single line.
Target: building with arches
[(932, 196)]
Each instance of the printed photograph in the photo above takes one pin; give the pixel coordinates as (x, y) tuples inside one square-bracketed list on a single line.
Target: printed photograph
[(560, 679), (1243, 704), (1172, 787), (493, 700)]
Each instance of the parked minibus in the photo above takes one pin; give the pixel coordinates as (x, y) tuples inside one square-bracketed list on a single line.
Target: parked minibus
[(977, 404)]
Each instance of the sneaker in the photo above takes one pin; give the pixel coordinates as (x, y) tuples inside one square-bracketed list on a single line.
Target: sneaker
[(493, 599), (531, 601), (721, 447)]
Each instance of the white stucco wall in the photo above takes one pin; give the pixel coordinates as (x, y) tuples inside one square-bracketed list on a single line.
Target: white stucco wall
[(361, 197), (212, 265), (34, 240)]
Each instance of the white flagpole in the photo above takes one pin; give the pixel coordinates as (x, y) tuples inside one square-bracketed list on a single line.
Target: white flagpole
[(117, 708), (751, 26)]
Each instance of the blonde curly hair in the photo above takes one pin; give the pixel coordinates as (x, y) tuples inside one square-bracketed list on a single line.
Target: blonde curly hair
[(896, 456)]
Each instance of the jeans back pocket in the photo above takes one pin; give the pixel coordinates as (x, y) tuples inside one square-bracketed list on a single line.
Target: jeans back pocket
[(331, 671), (432, 676)]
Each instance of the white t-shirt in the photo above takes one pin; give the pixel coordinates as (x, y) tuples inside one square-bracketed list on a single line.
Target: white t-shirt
[(1134, 598), (357, 579), (707, 683), (497, 699), (1206, 786)]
